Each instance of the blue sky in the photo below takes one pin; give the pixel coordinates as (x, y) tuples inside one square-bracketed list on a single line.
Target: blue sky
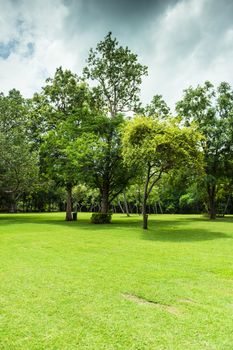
[(183, 42)]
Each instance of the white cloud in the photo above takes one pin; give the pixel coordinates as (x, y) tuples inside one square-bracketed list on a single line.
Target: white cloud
[(40, 23), (187, 50), (186, 43)]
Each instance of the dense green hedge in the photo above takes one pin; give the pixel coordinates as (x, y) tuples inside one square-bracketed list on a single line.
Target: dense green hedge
[(99, 218)]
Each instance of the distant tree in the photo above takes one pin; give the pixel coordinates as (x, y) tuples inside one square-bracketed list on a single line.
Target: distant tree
[(157, 108), (211, 111), (158, 147), (13, 111)]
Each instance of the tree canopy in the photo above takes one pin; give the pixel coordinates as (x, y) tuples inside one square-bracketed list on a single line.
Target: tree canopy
[(211, 111)]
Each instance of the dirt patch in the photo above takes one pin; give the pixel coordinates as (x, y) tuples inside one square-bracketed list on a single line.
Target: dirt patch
[(187, 301), (142, 301)]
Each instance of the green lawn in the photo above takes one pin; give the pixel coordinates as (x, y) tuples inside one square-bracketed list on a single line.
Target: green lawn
[(82, 286)]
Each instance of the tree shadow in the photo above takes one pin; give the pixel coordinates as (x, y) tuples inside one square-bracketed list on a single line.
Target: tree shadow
[(184, 236), (226, 219), (41, 219), (175, 231)]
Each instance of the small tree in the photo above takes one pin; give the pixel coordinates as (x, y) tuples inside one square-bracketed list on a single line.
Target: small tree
[(157, 147)]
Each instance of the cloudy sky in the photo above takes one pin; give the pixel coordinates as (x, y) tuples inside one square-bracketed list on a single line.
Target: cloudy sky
[(183, 42)]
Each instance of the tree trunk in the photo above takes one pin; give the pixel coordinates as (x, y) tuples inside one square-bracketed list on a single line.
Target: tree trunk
[(69, 203), (226, 206), (161, 210), (144, 201), (212, 202), (12, 207), (144, 214), (126, 204), (120, 206), (105, 199)]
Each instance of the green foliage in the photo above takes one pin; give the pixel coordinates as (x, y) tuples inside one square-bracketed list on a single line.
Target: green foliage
[(18, 160), (118, 76), (118, 73), (211, 112), (13, 112), (72, 135), (157, 147), (68, 99), (160, 145), (157, 108), (101, 218)]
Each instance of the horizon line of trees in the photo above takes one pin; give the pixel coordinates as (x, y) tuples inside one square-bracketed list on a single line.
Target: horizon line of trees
[(72, 146)]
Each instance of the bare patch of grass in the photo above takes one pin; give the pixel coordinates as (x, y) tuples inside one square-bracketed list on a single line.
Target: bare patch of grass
[(142, 301), (187, 301)]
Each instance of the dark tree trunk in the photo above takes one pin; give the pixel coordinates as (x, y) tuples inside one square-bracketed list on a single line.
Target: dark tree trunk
[(144, 213), (69, 203), (105, 198), (145, 221), (144, 202), (212, 201), (13, 207)]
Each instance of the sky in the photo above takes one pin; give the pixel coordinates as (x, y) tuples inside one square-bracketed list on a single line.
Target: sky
[(183, 42)]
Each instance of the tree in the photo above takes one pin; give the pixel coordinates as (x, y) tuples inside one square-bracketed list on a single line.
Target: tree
[(212, 112), (117, 73), (101, 160), (157, 108), (18, 168), (65, 106), (18, 162), (157, 147), (118, 76)]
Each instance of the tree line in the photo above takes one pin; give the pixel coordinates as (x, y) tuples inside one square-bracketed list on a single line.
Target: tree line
[(75, 142)]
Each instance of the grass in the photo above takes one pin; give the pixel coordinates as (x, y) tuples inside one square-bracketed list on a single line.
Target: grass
[(82, 286)]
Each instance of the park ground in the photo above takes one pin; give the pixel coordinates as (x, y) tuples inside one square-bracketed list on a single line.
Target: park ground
[(76, 285)]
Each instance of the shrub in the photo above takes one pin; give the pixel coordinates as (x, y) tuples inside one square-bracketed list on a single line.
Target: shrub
[(99, 218)]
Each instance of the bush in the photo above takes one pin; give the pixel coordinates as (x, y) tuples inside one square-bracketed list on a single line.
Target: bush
[(99, 218)]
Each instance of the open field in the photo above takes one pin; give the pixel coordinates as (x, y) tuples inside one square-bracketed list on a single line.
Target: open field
[(74, 285)]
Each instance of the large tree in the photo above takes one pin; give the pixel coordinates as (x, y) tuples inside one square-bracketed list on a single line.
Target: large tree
[(157, 147), (101, 162), (18, 162), (64, 106), (117, 75), (212, 112)]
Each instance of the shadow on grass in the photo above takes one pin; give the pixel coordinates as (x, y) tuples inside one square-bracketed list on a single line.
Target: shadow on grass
[(184, 235), (174, 229), (181, 230)]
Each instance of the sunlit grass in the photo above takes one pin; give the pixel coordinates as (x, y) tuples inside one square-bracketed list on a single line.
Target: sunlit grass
[(75, 285)]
